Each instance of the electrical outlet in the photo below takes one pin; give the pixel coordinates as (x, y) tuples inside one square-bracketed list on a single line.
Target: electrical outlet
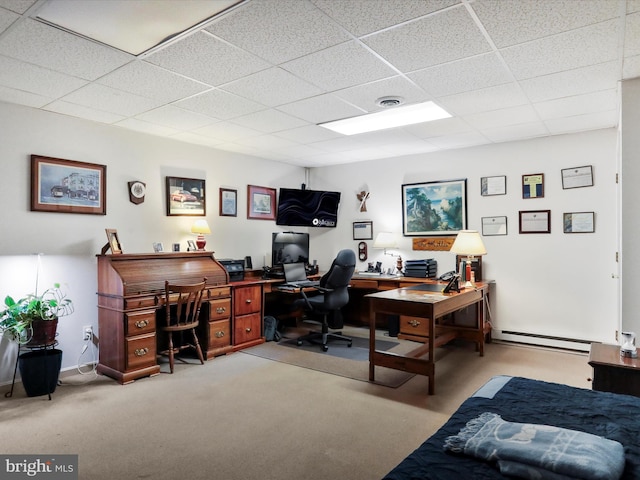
[(87, 332)]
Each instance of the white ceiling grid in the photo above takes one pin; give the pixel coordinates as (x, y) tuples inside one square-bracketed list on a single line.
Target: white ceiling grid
[(260, 77)]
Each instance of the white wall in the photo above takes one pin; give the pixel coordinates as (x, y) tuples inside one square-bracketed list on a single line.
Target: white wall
[(553, 284)]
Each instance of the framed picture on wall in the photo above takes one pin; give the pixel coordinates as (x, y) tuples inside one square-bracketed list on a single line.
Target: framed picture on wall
[(68, 186), (261, 203), (493, 185), (577, 177), (363, 230), (434, 208), (185, 196), (535, 221), (533, 185), (228, 202), (578, 222)]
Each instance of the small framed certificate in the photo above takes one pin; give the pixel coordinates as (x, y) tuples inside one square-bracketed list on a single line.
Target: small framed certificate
[(535, 221), (577, 177), (494, 226), (578, 222), (362, 230), (533, 185), (493, 185)]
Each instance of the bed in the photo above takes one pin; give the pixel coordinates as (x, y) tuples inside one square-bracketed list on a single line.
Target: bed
[(515, 399)]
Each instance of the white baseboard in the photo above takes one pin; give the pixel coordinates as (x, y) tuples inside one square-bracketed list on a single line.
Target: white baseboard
[(542, 340)]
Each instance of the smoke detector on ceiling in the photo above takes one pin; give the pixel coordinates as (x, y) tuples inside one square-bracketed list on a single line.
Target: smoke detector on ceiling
[(387, 102)]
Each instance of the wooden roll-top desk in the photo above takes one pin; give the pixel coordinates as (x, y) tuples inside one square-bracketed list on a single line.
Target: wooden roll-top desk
[(131, 296)]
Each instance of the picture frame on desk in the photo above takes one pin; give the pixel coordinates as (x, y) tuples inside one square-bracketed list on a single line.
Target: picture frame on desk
[(185, 196), (422, 203), (113, 242), (68, 186), (261, 203)]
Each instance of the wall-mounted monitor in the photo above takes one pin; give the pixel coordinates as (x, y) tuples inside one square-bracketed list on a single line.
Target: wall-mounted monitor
[(289, 247), (307, 208)]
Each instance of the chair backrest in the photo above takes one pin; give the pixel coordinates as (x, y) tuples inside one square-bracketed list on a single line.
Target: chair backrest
[(182, 303), (337, 279)]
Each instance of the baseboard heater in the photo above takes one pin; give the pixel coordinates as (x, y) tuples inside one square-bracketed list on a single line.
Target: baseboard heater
[(544, 340)]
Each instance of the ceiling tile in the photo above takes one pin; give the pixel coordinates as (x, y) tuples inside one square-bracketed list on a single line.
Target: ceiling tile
[(578, 105), (504, 117), (459, 140), (110, 100), (365, 96), (268, 142), (322, 108), (438, 128), (200, 57), (18, 6), (287, 30), (632, 35), (269, 121), (361, 17), (20, 97), (571, 82), (7, 18), (484, 70), (151, 81), (80, 111), (145, 127), (308, 134), (34, 79), (190, 137), (439, 38), (176, 118), (515, 132), (510, 23), (339, 67), (219, 104), (227, 131), (575, 49), (484, 100), (272, 87), (49, 47), (580, 123), (631, 67)]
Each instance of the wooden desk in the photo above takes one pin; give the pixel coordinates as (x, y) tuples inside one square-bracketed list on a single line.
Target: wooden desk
[(419, 303), (613, 373)]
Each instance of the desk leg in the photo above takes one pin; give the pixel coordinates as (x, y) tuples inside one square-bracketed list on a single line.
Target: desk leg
[(372, 342), (431, 365)]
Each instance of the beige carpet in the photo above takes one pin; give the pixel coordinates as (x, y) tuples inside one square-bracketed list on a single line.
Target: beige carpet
[(247, 418), (330, 362)]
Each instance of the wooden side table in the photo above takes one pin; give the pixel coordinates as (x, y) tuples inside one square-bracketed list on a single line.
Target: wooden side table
[(613, 373)]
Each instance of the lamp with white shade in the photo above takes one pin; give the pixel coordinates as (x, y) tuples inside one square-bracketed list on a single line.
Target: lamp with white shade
[(200, 228), (469, 243), (388, 240)]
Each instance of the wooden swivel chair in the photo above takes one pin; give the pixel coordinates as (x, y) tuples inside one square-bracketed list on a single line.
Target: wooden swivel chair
[(182, 314), (333, 295)]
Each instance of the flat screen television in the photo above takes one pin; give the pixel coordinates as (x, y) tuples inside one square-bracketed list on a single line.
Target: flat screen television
[(307, 208), (289, 247)]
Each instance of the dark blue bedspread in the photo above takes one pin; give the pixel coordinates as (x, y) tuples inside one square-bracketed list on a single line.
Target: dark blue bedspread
[(610, 415)]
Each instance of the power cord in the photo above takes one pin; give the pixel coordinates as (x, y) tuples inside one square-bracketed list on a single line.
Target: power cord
[(93, 360)]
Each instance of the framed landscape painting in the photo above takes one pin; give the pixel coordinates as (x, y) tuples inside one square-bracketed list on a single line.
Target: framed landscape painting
[(434, 208)]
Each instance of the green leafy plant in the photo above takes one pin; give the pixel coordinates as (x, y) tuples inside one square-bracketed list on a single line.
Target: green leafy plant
[(17, 317)]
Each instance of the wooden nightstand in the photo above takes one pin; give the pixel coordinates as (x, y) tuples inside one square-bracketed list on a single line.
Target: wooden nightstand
[(613, 373)]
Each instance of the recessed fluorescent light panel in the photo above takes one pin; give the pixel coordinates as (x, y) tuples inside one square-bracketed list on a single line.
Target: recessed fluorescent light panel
[(133, 26), (394, 117)]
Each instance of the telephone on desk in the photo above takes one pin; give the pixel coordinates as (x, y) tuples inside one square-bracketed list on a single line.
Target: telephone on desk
[(445, 277)]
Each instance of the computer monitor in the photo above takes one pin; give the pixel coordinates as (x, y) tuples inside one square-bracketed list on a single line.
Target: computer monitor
[(289, 247)]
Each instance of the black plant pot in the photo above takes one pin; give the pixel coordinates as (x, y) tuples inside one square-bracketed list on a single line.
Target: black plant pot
[(39, 371)]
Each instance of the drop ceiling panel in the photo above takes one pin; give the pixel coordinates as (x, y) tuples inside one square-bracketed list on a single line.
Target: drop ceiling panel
[(80, 111), (359, 18), (308, 134), (339, 67), (20, 97), (18, 6), (219, 104), (485, 100), (176, 118), (287, 30), (365, 96), (450, 35), (207, 59), (34, 79), (504, 117), (578, 105), (48, 47), (145, 127), (269, 121), (7, 18), (632, 35), (581, 123), (111, 100), (227, 132), (439, 128), (320, 109), (464, 75)]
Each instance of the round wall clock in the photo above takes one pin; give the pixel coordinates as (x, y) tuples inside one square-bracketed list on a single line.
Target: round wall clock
[(137, 190)]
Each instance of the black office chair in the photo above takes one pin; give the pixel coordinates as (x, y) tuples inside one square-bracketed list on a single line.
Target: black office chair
[(333, 296)]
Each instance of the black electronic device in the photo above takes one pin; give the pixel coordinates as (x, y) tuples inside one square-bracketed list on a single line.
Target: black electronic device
[(307, 208), (235, 269), (289, 247), (445, 277), (454, 284)]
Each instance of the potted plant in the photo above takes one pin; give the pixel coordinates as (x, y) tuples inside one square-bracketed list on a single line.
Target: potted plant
[(32, 321)]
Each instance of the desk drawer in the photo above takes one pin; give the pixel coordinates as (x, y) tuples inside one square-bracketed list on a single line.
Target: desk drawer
[(247, 328), (247, 299), (141, 322), (141, 302), (368, 284), (141, 351), (219, 334), (218, 292), (219, 309), (414, 326)]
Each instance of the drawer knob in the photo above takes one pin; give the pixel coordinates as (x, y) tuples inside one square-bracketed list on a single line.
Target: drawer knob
[(141, 352), (414, 323), (142, 323), (221, 310), (248, 300), (248, 330), (219, 334)]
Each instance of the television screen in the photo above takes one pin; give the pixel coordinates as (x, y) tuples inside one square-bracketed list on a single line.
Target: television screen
[(307, 208), (289, 247)]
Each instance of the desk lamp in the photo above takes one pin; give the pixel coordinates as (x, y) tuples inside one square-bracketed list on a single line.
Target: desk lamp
[(469, 243), (201, 228), (388, 240)]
